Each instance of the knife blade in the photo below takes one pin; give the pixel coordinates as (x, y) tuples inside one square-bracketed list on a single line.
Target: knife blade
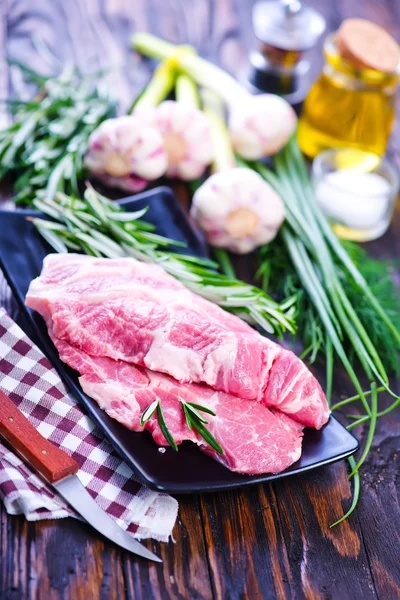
[(59, 470)]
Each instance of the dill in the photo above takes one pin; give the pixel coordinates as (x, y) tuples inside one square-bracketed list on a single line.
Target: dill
[(275, 260), (377, 274)]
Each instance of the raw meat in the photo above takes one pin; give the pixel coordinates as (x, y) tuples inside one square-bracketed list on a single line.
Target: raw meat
[(131, 311), (255, 439)]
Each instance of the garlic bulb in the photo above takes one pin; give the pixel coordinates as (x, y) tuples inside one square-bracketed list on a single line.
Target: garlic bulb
[(237, 210), (126, 152), (186, 137), (260, 125)]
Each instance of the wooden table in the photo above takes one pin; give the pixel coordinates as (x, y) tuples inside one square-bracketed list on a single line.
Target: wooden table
[(269, 541)]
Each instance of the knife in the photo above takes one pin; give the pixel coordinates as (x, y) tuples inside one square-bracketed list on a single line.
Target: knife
[(59, 469)]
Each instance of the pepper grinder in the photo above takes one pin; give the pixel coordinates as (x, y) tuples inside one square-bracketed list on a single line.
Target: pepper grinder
[(285, 30)]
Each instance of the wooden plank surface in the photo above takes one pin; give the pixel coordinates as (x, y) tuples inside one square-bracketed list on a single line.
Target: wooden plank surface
[(270, 541)]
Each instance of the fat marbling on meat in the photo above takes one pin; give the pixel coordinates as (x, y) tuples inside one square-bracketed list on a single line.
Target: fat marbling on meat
[(134, 312)]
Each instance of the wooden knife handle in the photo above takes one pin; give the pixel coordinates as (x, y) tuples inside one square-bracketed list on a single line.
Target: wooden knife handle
[(49, 461)]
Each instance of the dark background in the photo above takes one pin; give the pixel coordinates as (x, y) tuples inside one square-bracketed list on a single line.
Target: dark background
[(270, 541)]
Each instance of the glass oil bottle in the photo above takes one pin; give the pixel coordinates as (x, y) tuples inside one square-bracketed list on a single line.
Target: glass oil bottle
[(350, 105)]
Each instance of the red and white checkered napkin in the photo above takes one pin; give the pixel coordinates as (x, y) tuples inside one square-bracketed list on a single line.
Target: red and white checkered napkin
[(29, 379)]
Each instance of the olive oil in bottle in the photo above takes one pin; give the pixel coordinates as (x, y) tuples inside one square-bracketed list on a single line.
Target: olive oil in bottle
[(352, 104)]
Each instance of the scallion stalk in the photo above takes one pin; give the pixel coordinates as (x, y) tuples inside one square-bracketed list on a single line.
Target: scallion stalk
[(224, 158), (318, 257), (158, 88), (329, 368), (371, 430), (203, 72), (356, 494), (354, 398), (304, 266), (337, 246), (381, 413), (292, 165), (186, 91)]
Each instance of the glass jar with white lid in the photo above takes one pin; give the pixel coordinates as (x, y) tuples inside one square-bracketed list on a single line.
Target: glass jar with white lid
[(357, 191)]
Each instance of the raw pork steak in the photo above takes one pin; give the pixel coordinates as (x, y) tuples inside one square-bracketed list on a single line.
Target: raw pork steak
[(255, 439), (127, 310)]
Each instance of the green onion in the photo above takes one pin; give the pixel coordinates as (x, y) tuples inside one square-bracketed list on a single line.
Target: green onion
[(340, 251), (160, 85), (371, 431), (185, 57), (356, 493), (329, 369), (327, 284), (354, 399), (381, 413)]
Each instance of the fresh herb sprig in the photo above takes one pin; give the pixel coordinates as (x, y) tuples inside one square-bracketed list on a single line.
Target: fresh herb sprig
[(44, 148), (148, 413), (100, 227), (194, 420)]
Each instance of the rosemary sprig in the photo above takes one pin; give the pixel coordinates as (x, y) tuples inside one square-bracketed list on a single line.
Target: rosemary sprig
[(148, 413), (44, 148), (100, 227), (194, 420), (164, 427)]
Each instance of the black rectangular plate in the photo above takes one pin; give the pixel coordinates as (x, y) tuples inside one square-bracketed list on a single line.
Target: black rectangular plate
[(21, 254)]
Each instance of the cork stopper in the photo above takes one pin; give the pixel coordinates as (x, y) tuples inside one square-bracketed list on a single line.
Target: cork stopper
[(367, 46)]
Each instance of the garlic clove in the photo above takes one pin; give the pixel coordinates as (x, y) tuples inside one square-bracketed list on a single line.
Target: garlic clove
[(260, 125), (186, 136), (237, 210), (126, 152)]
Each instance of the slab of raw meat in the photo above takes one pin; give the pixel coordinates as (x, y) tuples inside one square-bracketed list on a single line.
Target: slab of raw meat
[(255, 439), (132, 311)]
